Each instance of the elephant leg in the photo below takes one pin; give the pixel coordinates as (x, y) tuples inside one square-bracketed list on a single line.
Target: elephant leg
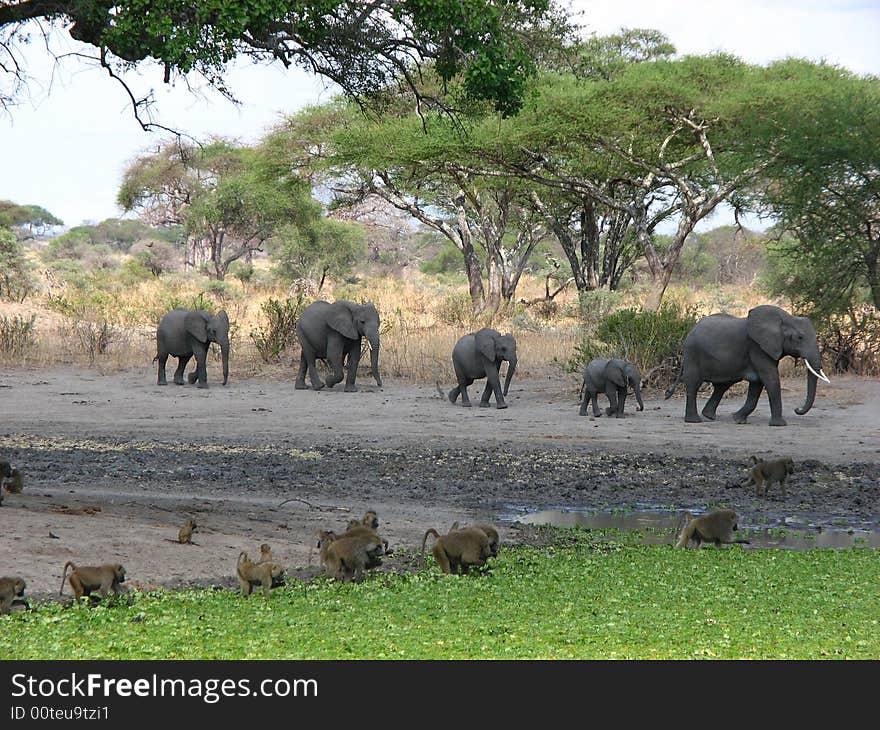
[(309, 355), (719, 389), (201, 374), (594, 398), (621, 401), (493, 380), (301, 374), (611, 392), (354, 357), (182, 362), (754, 393), (163, 360), (461, 389), (584, 403), (690, 409), (487, 393), (335, 355), (774, 394)]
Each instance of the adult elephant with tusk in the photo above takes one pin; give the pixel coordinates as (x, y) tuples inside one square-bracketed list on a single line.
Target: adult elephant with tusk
[(722, 350), (479, 355), (184, 333), (332, 332)]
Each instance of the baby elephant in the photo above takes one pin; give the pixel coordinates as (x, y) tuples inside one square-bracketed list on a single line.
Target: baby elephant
[(612, 377), (479, 355)]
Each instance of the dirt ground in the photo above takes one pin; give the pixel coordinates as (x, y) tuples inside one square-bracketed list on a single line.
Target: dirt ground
[(144, 457)]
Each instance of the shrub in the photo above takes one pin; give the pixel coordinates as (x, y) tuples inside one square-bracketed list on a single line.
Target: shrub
[(652, 340), (16, 334), (455, 309), (16, 281), (95, 337), (280, 330)]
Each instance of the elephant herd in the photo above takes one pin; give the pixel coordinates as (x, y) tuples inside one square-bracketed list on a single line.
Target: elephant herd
[(720, 349)]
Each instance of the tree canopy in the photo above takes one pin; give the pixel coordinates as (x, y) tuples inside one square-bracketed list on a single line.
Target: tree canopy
[(361, 45)]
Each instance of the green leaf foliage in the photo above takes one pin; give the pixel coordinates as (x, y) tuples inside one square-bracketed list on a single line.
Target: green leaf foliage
[(576, 598)]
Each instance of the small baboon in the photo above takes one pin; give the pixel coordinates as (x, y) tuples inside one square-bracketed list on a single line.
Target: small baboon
[(346, 557), (251, 575), (12, 594), (101, 578), (14, 482), (764, 473), (184, 537), (491, 533), (717, 527), (265, 553), (459, 549)]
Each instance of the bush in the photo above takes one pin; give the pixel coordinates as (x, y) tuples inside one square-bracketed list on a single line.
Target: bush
[(448, 260), (280, 331), (455, 309), (16, 281), (95, 337), (653, 341), (16, 334)]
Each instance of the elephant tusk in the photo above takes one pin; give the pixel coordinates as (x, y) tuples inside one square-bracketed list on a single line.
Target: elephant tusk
[(821, 374)]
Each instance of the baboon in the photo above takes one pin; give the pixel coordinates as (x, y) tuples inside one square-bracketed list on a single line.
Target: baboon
[(251, 575), (5, 470), (12, 594), (764, 473), (367, 526), (458, 550), (184, 537), (101, 578), (346, 557), (265, 553), (717, 526), (491, 533), (14, 482)]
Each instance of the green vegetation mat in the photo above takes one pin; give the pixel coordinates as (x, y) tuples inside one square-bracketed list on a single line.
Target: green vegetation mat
[(576, 598)]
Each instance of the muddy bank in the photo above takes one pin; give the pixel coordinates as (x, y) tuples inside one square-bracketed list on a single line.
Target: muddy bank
[(145, 457)]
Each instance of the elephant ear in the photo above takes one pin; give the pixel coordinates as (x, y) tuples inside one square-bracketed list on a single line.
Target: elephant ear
[(614, 373), (764, 327), (485, 343), (340, 319), (197, 326)]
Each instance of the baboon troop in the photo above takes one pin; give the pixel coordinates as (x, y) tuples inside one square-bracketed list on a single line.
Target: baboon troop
[(102, 578), (717, 526), (764, 473)]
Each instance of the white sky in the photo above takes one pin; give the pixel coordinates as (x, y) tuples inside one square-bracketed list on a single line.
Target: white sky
[(66, 144)]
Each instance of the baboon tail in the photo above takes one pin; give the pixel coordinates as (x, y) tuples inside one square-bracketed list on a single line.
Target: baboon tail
[(68, 564), (430, 531)]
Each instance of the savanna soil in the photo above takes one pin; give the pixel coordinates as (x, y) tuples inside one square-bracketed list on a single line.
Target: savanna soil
[(113, 465)]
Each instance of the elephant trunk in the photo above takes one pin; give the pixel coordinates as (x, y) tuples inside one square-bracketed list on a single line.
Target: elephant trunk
[(637, 389), (511, 367), (374, 358), (224, 354), (811, 394)]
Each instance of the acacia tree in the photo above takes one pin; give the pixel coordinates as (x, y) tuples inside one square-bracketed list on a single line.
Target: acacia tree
[(660, 141), (229, 200), (361, 45), (825, 191)]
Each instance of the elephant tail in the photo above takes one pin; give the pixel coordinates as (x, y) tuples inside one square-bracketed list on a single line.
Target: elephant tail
[(671, 389)]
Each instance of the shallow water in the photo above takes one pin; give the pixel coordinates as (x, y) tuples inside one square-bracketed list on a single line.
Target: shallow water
[(662, 528)]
